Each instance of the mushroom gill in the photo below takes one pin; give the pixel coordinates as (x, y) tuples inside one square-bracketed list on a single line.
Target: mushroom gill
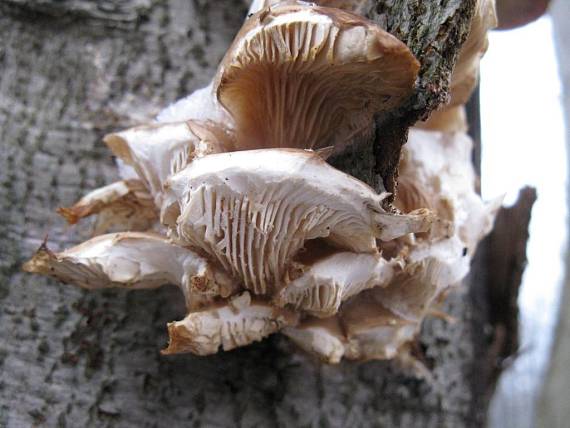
[(308, 77), (252, 211), (133, 260)]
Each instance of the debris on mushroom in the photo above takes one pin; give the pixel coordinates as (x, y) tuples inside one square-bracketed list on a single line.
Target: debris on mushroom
[(305, 76), (252, 211), (125, 204), (239, 322)]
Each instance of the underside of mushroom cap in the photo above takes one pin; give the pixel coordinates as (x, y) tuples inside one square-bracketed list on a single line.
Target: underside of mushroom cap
[(354, 6), (133, 260), (324, 285), (252, 211), (307, 77)]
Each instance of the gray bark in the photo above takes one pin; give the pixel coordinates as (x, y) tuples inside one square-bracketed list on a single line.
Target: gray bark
[(72, 71)]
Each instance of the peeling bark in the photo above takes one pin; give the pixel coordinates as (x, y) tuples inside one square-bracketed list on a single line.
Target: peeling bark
[(503, 253)]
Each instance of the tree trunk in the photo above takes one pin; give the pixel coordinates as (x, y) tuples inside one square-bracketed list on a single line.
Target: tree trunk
[(74, 70)]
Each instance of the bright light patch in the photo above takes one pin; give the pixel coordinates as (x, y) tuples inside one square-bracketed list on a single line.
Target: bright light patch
[(524, 144)]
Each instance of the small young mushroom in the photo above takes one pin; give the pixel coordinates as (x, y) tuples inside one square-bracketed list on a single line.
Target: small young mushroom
[(252, 211), (304, 76), (126, 204)]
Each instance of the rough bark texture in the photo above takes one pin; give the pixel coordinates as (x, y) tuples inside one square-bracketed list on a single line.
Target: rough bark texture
[(74, 70)]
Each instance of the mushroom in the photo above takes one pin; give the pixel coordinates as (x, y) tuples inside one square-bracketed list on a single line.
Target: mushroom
[(133, 260), (307, 77), (125, 204), (159, 150), (466, 71), (252, 211), (322, 337), (380, 321), (200, 106), (330, 281), (439, 166), (239, 322)]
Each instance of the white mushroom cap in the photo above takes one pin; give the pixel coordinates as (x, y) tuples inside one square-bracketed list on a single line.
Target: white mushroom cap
[(160, 150), (126, 204), (440, 168), (132, 260), (253, 211), (307, 77), (201, 106), (238, 323)]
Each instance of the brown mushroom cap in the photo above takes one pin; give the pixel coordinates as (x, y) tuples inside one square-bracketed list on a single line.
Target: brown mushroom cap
[(304, 76)]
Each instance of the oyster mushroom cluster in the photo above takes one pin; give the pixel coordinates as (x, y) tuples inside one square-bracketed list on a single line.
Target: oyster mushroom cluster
[(229, 196)]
